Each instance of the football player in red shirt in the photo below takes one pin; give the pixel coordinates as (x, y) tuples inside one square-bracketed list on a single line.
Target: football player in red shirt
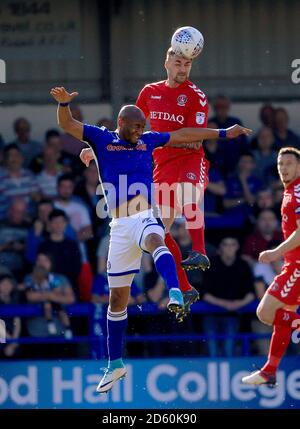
[(172, 104), (279, 305)]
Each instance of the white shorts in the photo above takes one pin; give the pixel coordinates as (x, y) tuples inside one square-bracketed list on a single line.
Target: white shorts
[(127, 238)]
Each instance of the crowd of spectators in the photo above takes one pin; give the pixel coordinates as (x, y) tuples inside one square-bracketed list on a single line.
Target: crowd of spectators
[(54, 244)]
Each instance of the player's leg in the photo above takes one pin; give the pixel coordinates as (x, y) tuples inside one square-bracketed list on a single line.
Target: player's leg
[(116, 329), (123, 262), (165, 266), (168, 219), (165, 196), (150, 236), (277, 308), (190, 294), (193, 177)]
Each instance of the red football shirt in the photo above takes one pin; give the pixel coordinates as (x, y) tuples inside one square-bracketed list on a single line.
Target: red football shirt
[(290, 212), (170, 109)]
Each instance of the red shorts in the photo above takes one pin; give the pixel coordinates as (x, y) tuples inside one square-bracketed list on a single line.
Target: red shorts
[(286, 286), (192, 170)]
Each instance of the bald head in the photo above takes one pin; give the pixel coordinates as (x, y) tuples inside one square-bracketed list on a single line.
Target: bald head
[(131, 123), (131, 113)]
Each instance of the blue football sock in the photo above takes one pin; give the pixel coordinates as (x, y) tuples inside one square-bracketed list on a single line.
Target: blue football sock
[(165, 266), (116, 327)]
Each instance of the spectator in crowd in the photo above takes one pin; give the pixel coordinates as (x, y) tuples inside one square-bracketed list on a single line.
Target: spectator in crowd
[(66, 162), (229, 150), (64, 251), (267, 119), (13, 236), (76, 211), (242, 188), (28, 147), (266, 231), (105, 122), (216, 189), (9, 295), (213, 152), (53, 291), (87, 190), (50, 172), (227, 284), (265, 199), (267, 115), (16, 181), (283, 135), (265, 154), (39, 230)]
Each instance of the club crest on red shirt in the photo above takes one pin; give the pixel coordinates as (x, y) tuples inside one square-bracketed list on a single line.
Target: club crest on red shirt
[(181, 100)]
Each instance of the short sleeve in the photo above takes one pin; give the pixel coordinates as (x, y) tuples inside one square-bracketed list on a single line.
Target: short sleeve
[(94, 135), (141, 102), (157, 139)]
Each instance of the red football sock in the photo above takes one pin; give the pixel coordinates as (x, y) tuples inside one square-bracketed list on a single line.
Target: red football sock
[(174, 249), (279, 342), (282, 329), (194, 217)]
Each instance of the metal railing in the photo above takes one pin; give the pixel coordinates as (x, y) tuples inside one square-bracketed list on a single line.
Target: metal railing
[(88, 310)]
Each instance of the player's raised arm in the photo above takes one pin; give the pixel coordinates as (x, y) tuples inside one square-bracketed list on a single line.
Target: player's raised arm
[(186, 135), (64, 116)]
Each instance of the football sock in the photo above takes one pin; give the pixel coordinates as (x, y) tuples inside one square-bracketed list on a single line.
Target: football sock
[(165, 266), (194, 217), (116, 327), (282, 330), (175, 250)]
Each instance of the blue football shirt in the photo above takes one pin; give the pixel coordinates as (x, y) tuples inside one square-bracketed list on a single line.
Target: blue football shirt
[(125, 169)]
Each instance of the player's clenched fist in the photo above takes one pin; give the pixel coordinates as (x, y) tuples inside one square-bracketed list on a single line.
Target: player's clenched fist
[(86, 156)]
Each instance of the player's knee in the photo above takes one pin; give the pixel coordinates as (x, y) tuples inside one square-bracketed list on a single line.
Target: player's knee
[(264, 315), (116, 300), (152, 241)]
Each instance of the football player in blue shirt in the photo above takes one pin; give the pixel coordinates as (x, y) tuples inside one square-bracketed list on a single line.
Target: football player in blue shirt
[(124, 161)]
